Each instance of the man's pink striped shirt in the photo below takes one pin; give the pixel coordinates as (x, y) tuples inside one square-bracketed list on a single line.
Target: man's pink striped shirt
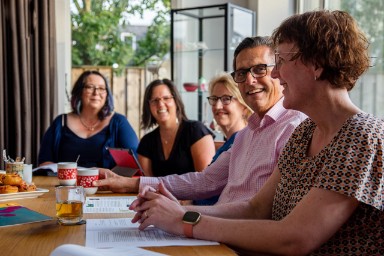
[(240, 172)]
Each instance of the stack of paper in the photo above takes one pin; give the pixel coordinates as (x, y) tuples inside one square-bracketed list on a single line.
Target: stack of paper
[(78, 250), (120, 232)]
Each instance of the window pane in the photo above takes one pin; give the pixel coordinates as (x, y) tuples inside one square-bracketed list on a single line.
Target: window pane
[(369, 92)]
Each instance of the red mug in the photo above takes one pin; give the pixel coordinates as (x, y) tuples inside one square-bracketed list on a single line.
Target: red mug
[(85, 177), (67, 173)]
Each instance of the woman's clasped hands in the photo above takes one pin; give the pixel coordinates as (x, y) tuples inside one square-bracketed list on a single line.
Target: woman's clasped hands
[(158, 208)]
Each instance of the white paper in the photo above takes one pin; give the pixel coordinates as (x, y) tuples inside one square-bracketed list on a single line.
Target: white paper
[(52, 167), (120, 232), (78, 250), (112, 204)]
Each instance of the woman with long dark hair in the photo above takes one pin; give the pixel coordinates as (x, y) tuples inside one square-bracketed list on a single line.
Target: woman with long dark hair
[(176, 145)]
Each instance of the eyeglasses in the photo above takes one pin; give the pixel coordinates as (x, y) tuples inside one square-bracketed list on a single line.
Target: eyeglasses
[(165, 99), (92, 89), (256, 71), (225, 99), (279, 61)]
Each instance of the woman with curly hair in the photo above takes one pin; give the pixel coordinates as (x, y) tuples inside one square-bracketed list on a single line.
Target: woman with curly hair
[(325, 196)]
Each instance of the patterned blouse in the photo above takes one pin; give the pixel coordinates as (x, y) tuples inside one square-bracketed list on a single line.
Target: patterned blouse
[(352, 164)]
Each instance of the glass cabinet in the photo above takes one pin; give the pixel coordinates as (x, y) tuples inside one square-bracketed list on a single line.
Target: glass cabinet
[(203, 42)]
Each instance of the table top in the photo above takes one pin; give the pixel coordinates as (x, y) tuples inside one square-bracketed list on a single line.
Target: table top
[(43, 237)]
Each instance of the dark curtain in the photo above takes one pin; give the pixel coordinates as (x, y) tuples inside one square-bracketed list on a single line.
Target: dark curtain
[(28, 83)]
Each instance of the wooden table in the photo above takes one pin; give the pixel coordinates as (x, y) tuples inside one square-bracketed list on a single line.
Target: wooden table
[(43, 237)]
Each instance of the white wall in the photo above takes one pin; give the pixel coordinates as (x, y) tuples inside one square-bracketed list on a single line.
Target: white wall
[(269, 14), (64, 60)]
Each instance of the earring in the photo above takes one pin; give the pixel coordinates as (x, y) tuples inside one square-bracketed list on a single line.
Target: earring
[(78, 107), (315, 78)]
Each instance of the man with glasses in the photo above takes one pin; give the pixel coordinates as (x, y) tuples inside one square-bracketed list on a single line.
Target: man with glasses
[(241, 171)]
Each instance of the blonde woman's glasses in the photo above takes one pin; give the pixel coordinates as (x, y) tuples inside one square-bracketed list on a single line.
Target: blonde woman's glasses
[(225, 99)]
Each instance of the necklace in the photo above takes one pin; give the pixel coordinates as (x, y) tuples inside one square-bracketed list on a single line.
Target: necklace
[(89, 127), (167, 139), (170, 137)]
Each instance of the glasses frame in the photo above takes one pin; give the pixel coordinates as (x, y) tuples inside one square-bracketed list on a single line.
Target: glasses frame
[(246, 70), (91, 89), (164, 99), (278, 62), (212, 100)]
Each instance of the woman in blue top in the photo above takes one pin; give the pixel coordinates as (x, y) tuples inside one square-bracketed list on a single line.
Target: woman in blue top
[(229, 110), (89, 129), (230, 113)]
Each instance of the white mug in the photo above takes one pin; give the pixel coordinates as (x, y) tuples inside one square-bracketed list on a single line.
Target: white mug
[(27, 173)]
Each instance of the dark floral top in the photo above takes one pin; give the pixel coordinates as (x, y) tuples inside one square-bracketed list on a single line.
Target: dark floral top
[(352, 164)]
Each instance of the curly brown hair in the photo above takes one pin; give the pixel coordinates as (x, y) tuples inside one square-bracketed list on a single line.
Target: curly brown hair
[(328, 39)]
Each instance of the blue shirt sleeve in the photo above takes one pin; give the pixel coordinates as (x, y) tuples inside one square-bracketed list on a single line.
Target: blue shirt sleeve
[(125, 135)]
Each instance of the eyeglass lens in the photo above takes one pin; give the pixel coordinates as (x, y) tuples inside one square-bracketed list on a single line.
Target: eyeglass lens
[(279, 61), (165, 99), (92, 88), (225, 99), (256, 71)]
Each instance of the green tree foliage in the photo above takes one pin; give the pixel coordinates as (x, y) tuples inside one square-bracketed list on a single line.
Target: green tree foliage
[(96, 28), (156, 43)]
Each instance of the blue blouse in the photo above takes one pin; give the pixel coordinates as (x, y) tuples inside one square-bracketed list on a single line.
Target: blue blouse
[(227, 145), (60, 144)]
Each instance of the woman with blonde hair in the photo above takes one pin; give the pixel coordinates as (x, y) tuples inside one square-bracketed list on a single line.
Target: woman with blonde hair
[(228, 108), (230, 113)]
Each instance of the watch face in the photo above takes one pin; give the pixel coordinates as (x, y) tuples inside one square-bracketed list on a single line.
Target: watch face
[(191, 217)]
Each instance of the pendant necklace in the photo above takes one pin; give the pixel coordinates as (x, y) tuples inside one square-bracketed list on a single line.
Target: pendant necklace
[(173, 134), (89, 127)]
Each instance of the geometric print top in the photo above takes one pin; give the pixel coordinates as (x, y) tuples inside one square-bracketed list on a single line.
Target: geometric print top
[(351, 164)]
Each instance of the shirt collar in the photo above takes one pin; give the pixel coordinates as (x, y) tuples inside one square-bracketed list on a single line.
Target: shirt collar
[(271, 116)]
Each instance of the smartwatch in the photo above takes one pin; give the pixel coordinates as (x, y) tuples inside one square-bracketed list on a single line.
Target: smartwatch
[(189, 220)]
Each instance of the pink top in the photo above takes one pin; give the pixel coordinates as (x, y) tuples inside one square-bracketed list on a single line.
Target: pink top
[(240, 172)]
